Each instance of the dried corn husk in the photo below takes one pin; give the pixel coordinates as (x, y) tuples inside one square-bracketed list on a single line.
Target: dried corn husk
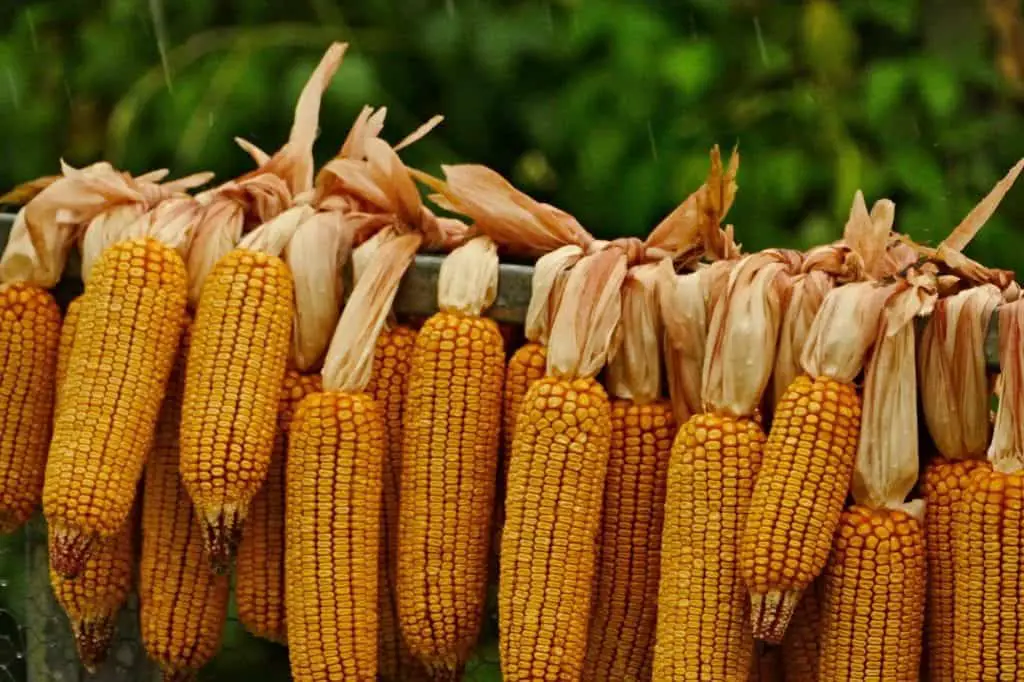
[(468, 280), (634, 370), (1006, 453)]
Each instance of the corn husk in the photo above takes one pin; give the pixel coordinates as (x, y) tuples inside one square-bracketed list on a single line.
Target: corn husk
[(952, 372), (468, 280), (583, 330), (634, 370), (1006, 453), (26, 191), (349, 361), (743, 335), (886, 468), (548, 284), (806, 295), (272, 236)]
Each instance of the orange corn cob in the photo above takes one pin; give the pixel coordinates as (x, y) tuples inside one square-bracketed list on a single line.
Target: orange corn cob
[(67, 341), (388, 387), (93, 599), (624, 615), (801, 645), (182, 604), (259, 569), (527, 365), (29, 334), (125, 345), (879, 555)]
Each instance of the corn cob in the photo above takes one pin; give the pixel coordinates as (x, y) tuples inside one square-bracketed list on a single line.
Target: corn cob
[(449, 456), (67, 341), (526, 366), (182, 604), (29, 335), (93, 600), (955, 396), (556, 485), (388, 387), (809, 459), (703, 630), (624, 615), (125, 344), (801, 645), (873, 613), (872, 616), (259, 570)]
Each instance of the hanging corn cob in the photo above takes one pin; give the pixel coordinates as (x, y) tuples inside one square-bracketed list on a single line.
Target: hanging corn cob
[(125, 343), (703, 630), (182, 604), (624, 613), (67, 341), (337, 448), (802, 644), (875, 578), (93, 600), (955, 397)]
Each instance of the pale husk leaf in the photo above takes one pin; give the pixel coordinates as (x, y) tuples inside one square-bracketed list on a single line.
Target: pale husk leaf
[(468, 280), (27, 191), (272, 236), (254, 152), (1006, 453), (106, 229), (886, 469), (172, 222), (806, 296), (218, 231), (844, 330), (349, 361), (634, 371), (549, 276), (315, 255), (868, 234), (952, 373), (22, 262), (365, 255), (584, 326), (742, 336), (962, 234)]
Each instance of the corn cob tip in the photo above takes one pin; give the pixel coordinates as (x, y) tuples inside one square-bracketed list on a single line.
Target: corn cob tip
[(770, 614), (222, 533), (445, 672), (69, 548), (92, 640)]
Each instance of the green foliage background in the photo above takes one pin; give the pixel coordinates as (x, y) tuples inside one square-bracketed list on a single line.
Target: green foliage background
[(604, 108)]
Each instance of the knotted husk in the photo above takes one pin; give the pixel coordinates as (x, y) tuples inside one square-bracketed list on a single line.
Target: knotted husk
[(743, 334), (1006, 453), (952, 372), (468, 280), (349, 360), (583, 330), (886, 468), (548, 284), (687, 301), (634, 371)]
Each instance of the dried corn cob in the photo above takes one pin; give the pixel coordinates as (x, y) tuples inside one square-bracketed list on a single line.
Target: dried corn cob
[(556, 485), (955, 395), (526, 366), (703, 630), (873, 613), (336, 459), (624, 615), (67, 341), (259, 570), (182, 604), (449, 455), (802, 643), (93, 599), (388, 386)]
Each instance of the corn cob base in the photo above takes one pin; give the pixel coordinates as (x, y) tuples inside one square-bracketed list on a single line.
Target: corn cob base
[(873, 615)]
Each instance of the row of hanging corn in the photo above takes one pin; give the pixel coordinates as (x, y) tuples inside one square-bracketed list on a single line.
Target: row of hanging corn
[(711, 458)]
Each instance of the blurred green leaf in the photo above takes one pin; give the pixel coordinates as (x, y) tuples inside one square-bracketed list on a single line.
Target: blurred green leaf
[(939, 89), (829, 41), (690, 66), (884, 89)]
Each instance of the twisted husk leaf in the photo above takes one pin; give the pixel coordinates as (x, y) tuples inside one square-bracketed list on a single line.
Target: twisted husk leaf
[(743, 335), (951, 371), (1006, 453), (634, 370), (886, 468), (583, 330), (272, 236), (468, 280)]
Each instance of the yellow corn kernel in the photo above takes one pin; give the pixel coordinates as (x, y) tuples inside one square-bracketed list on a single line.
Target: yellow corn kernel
[(235, 371), (29, 333), (552, 523), (93, 599), (449, 467), (988, 552), (259, 569), (335, 471), (625, 602), (703, 627), (388, 386), (873, 613), (67, 341), (944, 481), (125, 344), (182, 604), (799, 495), (802, 643), (527, 365)]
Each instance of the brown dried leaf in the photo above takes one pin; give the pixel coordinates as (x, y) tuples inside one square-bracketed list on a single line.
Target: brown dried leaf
[(962, 234), (1006, 453), (549, 276), (844, 330), (27, 191), (806, 296), (634, 370)]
